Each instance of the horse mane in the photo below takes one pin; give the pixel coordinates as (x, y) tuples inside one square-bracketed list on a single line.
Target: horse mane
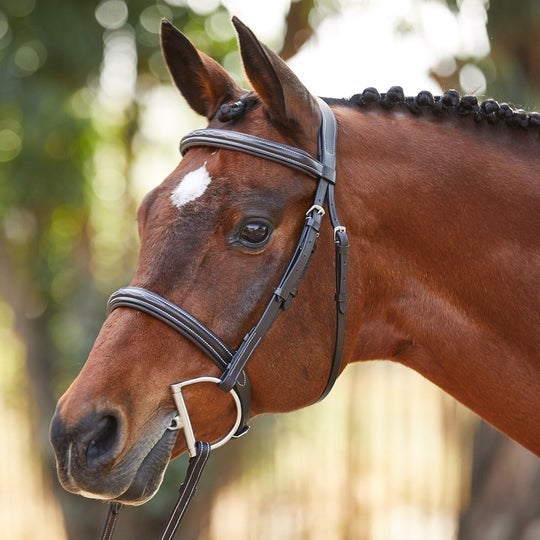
[(490, 110), (450, 102)]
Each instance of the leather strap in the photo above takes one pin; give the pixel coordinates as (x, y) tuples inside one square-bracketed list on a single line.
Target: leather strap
[(191, 328), (186, 494), (341, 242), (187, 488), (280, 301), (110, 522), (327, 154), (256, 146), (175, 317)]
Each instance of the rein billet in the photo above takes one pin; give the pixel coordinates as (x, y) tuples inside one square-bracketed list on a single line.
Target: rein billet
[(234, 379)]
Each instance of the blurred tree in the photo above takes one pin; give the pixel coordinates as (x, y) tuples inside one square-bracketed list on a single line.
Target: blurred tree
[(512, 68), (298, 29), (46, 55), (514, 30), (505, 490), (55, 118)]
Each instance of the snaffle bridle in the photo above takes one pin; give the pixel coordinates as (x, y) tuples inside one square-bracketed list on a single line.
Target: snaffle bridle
[(234, 379)]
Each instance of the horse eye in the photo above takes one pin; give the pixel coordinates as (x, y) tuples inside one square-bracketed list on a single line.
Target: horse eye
[(254, 233)]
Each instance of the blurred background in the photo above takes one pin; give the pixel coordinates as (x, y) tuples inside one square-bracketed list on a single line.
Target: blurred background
[(89, 122)]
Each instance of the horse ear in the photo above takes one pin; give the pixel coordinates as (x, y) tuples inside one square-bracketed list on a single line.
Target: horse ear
[(202, 81), (286, 100)]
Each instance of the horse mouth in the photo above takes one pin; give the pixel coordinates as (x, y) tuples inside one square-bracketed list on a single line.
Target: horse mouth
[(133, 481), (149, 475)]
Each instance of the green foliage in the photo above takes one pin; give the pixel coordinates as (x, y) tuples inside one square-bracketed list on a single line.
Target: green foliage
[(67, 231), (47, 51), (513, 28)]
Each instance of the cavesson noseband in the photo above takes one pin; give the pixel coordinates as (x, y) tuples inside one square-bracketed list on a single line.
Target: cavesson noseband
[(233, 362)]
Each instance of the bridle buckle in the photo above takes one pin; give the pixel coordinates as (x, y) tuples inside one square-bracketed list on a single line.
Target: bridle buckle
[(317, 208), (337, 230)]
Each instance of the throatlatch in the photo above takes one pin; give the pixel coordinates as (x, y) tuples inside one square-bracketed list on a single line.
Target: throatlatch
[(234, 379)]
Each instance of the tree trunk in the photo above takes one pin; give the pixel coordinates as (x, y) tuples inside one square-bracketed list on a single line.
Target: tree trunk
[(505, 490)]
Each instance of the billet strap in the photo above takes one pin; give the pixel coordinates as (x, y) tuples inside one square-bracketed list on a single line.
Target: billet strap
[(341, 243), (110, 522), (187, 488), (327, 154)]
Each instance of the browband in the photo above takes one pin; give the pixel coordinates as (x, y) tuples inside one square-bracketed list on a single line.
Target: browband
[(256, 146)]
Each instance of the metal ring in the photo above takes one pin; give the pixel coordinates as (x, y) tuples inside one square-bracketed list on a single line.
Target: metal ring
[(182, 421)]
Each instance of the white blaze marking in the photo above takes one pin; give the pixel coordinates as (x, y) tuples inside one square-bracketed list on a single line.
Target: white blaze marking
[(191, 187)]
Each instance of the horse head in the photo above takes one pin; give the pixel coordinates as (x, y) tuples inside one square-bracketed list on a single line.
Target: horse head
[(216, 235)]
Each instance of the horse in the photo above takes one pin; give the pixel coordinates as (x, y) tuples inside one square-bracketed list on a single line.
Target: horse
[(439, 199)]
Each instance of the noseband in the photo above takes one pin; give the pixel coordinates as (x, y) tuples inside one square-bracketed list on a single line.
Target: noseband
[(234, 379)]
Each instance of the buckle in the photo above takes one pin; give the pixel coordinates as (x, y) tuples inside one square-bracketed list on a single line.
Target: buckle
[(337, 230), (318, 208), (182, 420)]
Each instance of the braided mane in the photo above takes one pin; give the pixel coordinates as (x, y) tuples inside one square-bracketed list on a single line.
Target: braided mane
[(450, 102)]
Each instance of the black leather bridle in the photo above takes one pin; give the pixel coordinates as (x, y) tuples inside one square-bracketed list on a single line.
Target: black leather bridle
[(232, 362)]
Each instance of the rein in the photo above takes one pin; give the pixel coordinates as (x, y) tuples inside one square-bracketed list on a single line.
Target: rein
[(234, 379)]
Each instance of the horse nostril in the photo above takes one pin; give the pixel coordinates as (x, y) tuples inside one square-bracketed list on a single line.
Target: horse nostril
[(89, 446), (101, 447)]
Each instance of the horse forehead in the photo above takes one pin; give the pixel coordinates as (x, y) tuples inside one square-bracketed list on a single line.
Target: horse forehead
[(191, 186)]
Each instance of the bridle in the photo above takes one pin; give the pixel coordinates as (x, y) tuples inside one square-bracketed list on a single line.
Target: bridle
[(234, 379)]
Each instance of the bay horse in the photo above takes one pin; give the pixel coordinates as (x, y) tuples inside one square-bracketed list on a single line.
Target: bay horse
[(440, 201)]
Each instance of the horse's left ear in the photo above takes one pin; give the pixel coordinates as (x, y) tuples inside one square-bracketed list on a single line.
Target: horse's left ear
[(202, 81), (286, 100)]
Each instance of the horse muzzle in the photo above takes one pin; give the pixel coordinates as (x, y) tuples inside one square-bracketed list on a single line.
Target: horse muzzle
[(93, 461)]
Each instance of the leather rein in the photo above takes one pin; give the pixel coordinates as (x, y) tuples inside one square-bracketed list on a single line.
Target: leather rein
[(234, 379)]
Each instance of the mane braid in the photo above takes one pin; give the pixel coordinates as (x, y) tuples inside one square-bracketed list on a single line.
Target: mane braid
[(450, 102), (229, 112)]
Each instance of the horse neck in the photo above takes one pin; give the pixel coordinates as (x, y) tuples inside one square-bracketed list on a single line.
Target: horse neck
[(444, 220)]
